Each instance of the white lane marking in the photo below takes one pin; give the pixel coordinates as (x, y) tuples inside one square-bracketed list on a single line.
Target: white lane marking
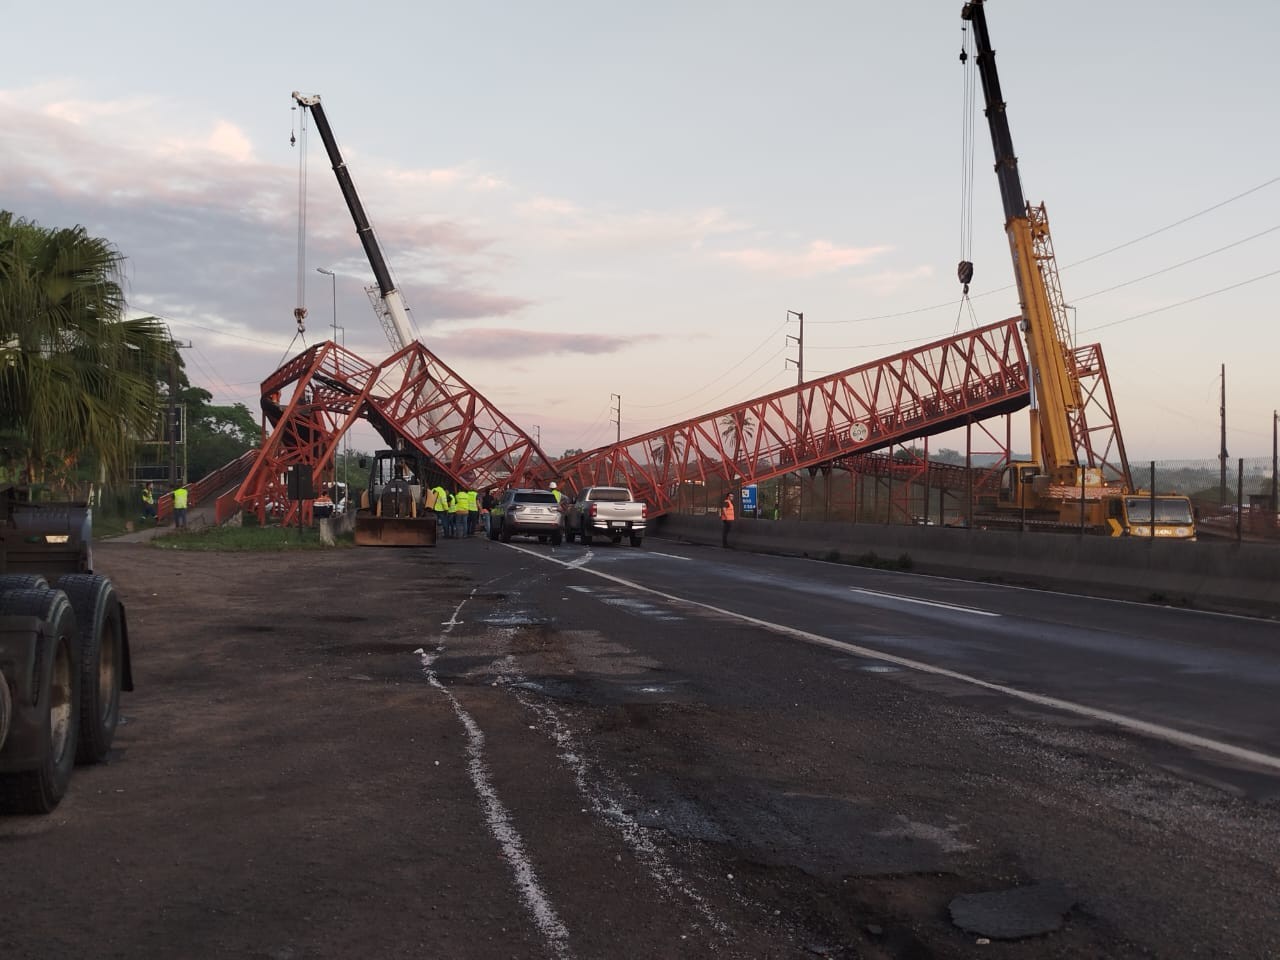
[(575, 563), (1153, 730), (927, 603), (1053, 593), (671, 556), (640, 607), (496, 815), (606, 808), (581, 589)]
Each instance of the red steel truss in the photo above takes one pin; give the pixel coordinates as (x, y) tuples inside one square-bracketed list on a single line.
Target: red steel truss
[(927, 390), (414, 399)]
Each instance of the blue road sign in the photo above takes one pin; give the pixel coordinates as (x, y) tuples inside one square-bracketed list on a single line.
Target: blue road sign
[(749, 498)]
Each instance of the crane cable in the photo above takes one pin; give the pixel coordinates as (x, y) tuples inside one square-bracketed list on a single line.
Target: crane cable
[(300, 311), (964, 271)]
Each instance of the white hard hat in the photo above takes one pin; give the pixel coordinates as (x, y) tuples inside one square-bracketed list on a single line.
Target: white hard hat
[(553, 484)]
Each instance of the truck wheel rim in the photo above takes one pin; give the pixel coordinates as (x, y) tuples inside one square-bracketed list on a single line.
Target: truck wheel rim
[(107, 660), (60, 705)]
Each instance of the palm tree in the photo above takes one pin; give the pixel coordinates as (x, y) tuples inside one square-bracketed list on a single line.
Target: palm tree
[(75, 375), (737, 428)]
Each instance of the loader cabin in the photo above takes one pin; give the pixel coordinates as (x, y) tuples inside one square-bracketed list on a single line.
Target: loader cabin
[(1174, 519)]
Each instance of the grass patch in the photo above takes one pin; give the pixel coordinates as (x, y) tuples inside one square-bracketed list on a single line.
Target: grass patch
[(252, 539), (110, 526)]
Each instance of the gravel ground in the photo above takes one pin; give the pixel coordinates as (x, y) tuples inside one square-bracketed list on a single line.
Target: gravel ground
[(441, 753)]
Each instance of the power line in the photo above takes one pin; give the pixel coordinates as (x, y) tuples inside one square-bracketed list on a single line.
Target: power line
[(1176, 223), (1076, 263), (226, 333), (1182, 303), (1175, 266), (668, 403)]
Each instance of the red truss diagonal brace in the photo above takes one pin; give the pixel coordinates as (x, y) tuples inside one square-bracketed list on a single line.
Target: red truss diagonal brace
[(437, 411), (412, 399), (920, 392)]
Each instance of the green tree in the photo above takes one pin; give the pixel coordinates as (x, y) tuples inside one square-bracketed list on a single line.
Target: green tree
[(216, 434), (76, 377)]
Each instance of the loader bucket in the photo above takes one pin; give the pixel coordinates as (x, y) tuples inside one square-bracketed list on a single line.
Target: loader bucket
[(374, 531)]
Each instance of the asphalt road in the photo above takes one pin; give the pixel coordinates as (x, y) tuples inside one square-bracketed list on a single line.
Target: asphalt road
[(1028, 728), (487, 750), (1209, 681)]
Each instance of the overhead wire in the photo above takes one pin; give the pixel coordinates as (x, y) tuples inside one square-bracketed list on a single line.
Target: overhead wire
[(1182, 303), (754, 351), (986, 293), (1176, 223), (1176, 266)]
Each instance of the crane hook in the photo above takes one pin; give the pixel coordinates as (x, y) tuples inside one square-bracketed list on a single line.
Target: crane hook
[(300, 314), (965, 272)]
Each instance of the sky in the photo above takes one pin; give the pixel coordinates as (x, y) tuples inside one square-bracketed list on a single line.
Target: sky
[(581, 200)]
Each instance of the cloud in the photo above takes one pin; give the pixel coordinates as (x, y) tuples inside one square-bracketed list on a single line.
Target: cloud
[(497, 343), (887, 282), (565, 224), (818, 258), (202, 222)]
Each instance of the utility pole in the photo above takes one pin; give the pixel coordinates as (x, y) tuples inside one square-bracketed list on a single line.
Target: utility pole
[(799, 362), (171, 423), (1275, 505), (1222, 450), (617, 414)]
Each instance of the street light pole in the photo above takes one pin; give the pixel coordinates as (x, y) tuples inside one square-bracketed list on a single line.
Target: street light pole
[(346, 441), (333, 277)]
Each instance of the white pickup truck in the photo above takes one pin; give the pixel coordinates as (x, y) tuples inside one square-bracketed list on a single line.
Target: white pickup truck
[(606, 512)]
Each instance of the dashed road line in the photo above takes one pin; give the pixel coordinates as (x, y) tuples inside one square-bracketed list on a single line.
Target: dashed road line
[(1155, 731), (927, 603)]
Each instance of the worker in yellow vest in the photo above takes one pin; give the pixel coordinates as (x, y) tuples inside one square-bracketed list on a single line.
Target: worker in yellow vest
[(440, 503), (460, 513), (180, 507), (473, 512), (148, 502)]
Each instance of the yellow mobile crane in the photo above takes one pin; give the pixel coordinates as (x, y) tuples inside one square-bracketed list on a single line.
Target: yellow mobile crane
[(1055, 488)]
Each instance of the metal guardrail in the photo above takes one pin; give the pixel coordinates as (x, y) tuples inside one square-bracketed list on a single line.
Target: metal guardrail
[(208, 485)]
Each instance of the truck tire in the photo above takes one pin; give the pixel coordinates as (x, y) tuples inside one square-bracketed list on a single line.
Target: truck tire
[(586, 536), (504, 534), (556, 538), (22, 581), (637, 539), (6, 709), (39, 790), (102, 642)]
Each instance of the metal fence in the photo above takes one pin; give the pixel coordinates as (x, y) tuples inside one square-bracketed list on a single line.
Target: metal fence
[(1235, 503)]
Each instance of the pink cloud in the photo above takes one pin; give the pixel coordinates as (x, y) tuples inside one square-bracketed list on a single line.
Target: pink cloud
[(818, 258), (504, 343)]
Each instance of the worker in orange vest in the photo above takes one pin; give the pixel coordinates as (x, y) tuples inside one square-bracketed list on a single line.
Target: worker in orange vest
[(726, 516)]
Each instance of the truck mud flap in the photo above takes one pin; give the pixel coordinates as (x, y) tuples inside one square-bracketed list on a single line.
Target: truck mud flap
[(396, 531)]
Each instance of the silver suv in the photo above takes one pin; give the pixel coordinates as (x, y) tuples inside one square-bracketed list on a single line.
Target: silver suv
[(532, 512)]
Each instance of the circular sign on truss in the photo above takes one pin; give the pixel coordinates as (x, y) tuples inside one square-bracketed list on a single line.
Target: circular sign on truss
[(858, 432)]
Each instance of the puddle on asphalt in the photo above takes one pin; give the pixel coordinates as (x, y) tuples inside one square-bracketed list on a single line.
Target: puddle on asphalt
[(515, 621)]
